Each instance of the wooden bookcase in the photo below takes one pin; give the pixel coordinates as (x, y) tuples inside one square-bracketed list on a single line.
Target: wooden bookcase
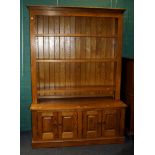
[(76, 74)]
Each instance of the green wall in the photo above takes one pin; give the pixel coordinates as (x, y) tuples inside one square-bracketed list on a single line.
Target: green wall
[(25, 79)]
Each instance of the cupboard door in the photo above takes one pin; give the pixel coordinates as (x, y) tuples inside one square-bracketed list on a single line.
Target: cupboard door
[(47, 125), (91, 124), (67, 125), (110, 123)]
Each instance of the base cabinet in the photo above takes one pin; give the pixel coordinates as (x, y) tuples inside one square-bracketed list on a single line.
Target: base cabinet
[(67, 128)]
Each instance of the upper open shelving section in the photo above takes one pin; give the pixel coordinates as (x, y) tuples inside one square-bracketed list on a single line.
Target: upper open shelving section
[(76, 51)]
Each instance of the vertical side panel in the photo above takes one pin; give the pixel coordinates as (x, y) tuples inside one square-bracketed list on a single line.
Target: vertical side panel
[(37, 54), (33, 58), (112, 74), (41, 53), (119, 53)]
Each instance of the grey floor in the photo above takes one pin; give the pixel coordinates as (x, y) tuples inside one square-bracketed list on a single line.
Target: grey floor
[(111, 149)]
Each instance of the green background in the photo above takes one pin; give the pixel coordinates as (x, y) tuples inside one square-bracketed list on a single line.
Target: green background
[(25, 79)]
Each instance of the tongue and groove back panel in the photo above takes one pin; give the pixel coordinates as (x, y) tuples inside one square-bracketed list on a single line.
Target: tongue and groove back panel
[(75, 55)]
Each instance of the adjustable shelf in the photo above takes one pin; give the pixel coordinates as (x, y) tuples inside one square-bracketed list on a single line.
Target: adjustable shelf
[(72, 35), (76, 60), (76, 91)]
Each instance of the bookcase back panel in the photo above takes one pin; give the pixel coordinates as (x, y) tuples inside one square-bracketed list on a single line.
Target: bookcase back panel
[(106, 26), (56, 78), (75, 48), (75, 56)]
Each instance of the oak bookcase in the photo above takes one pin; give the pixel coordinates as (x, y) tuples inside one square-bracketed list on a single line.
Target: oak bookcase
[(76, 74)]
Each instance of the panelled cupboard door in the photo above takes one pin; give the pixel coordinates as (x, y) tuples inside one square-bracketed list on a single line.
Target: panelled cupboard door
[(67, 125), (91, 124), (101, 123), (47, 125), (110, 123)]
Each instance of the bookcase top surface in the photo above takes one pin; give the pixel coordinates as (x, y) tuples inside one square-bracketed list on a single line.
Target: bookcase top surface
[(50, 7)]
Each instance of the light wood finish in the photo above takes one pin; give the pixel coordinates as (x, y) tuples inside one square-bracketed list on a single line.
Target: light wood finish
[(75, 68)]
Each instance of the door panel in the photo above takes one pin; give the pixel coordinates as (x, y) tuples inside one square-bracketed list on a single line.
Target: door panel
[(67, 125), (110, 123), (91, 124), (47, 125)]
